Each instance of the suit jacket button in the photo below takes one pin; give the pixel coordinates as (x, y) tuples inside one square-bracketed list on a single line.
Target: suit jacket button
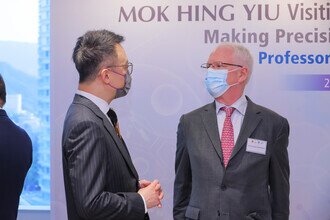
[(223, 187)]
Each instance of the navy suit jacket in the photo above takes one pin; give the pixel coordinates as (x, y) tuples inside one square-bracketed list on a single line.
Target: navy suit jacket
[(15, 161)]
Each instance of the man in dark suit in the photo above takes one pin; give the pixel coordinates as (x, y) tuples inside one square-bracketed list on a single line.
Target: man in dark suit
[(15, 160), (231, 159), (100, 179)]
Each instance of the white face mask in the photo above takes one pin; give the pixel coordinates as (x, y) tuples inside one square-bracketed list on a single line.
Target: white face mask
[(216, 81)]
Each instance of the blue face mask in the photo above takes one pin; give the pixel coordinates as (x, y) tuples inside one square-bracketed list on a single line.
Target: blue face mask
[(216, 82)]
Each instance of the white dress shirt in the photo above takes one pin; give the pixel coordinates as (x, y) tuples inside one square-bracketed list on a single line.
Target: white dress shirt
[(236, 118)]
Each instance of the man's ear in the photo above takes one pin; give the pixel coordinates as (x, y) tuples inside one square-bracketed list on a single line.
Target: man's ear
[(243, 74), (104, 75)]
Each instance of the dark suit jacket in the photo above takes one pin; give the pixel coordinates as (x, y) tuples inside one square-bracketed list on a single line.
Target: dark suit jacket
[(100, 179), (15, 161), (253, 186)]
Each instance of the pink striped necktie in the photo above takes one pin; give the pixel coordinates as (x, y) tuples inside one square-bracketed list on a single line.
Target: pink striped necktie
[(227, 137)]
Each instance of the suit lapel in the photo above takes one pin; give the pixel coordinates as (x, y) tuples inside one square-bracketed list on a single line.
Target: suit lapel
[(106, 123), (209, 118), (251, 120), (120, 144)]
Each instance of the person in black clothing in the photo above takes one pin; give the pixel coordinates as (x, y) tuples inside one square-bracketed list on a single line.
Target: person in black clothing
[(15, 160)]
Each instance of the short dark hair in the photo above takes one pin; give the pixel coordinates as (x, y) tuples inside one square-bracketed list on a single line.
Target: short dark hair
[(92, 49), (2, 90)]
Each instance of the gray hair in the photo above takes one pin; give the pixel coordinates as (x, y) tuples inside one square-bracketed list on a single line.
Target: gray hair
[(241, 55)]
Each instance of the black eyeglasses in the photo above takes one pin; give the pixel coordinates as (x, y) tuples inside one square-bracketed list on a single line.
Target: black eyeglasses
[(128, 67), (218, 65)]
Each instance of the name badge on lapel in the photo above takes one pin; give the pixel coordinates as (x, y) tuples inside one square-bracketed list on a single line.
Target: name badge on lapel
[(256, 146)]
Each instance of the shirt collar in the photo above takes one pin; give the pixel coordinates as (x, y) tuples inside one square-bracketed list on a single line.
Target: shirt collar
[(240, 105), (102, 104)]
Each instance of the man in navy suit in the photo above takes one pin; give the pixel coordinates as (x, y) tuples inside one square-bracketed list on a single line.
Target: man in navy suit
[(231, 161), (15, 160)]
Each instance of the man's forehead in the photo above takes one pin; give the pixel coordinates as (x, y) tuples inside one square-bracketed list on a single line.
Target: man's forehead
[(222, 53)]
